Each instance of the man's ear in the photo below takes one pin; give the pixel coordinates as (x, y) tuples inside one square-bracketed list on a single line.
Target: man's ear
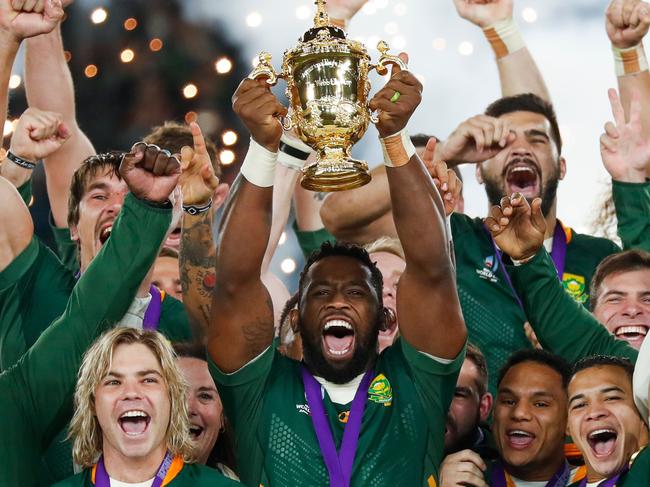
[(479, 176), (220, 195), (389, 319), (293, 320), (74, 233), (485, 406), (562, 168)]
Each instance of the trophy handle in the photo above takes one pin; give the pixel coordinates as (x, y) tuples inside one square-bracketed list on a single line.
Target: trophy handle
[(264, 68), (385, 59)]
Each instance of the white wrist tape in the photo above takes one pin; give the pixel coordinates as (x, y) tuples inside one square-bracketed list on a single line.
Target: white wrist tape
[(259, 165), (630, 61), (504, 37), (397, 148), (293, 152), (517, 263)]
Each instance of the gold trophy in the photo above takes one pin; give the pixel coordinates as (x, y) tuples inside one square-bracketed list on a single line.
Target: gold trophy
[(328, 88)]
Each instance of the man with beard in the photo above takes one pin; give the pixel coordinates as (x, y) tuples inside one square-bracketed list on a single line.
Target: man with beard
[(384, 411)]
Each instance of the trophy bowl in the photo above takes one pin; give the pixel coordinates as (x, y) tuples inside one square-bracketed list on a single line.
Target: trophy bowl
[(328, 88)]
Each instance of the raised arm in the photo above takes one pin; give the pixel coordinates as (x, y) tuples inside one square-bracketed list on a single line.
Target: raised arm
[(48, 84), (518, 71), (626, 23), (16, 227), (625, 152), (562, 326), (241, 321), (428, 282), (16, 25)]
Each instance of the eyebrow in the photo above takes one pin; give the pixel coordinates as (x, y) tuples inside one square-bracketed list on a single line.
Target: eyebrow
[(140, 373), (506, 390), (606, 390), (209, 389), (537, 133), (97, 185)]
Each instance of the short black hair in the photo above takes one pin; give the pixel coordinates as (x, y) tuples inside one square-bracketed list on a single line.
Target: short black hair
[(190, 350), (602, 361), (528, 102), (337, 249), (541, 357)]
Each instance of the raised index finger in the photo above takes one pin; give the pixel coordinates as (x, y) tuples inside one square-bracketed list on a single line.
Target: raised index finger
[(198, 140)]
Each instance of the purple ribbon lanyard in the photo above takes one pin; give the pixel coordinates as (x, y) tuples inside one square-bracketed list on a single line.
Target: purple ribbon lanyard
[(611, 482), (558, 254), (559, 478), (152, 315), (103, 480), (339, 465)]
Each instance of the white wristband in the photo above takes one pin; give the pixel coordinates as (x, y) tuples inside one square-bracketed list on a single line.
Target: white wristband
[(630, 61), (397, 148), (259, 165), (517, 263), (293, 152), (504, 37)]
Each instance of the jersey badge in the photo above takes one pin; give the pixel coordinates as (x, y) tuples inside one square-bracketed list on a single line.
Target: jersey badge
[(575, 286), (490, 266), (380, 391), (303, 408)]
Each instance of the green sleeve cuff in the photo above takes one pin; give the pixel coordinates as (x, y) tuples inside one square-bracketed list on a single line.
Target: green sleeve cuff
[(632, 202), (428, 364), (66, 248), (250, 372), (26, 192), (15, 271), (311, 241)]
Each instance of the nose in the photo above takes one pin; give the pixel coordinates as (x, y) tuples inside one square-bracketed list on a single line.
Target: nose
[(192, 405), (114, 204), (131, 390), (521, 412), (338, 300), (520, 148), (596, 412), (632, 309)]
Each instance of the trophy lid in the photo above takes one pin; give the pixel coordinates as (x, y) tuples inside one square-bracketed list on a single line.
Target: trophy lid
[(322, 22)]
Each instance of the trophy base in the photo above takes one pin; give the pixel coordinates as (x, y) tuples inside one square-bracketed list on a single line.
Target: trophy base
[(335, 174)]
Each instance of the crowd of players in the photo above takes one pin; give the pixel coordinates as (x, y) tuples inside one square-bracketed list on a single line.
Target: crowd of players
[(423, 347)]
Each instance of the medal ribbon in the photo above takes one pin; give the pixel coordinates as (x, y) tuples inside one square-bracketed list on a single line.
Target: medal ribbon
[(500, 477), (558, 254), (103, 480), (607, 482), (339, 465), (152, 315)]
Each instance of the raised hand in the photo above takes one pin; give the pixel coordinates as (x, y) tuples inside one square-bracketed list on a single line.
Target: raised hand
[(260, 110), (464, 468), (150, 172), (484, 13), (517, 228), (344, 9), (394, 115), (22, 18), (476, 140), (198, 181), (627, 22), (38, 135), (445, 179), (624, 149)]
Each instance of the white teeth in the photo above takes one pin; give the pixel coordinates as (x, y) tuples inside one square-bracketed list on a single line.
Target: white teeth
[(522, 169), (339, 352), (134, 414), (600, 432), (338, 323), (520, 433), (636, 330)]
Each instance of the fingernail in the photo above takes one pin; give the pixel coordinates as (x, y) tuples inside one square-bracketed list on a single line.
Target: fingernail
[(445, 187)]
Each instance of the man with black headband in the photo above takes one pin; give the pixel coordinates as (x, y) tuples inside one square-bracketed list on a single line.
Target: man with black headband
[(345, 416)]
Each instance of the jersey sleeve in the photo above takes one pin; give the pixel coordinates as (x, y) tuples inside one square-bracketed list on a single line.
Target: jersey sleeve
[(26, 192), (46, 374), (562, 326), (242, 394), (311, 241), (174, 323), (66, 248), (632, 202)]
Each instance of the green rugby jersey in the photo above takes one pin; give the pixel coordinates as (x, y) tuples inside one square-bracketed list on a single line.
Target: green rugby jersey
[(191, 475), (402, 433), (494, 320), (637, 476), (632, 202), (310, 241), (36, 393), (561, 326)]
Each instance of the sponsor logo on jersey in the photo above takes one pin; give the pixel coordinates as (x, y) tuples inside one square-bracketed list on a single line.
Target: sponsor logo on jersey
[(380, 391), (490, 266), (303, 408), (575, 286)]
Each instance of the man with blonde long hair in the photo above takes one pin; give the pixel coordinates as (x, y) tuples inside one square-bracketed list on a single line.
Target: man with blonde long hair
[(131, 422)]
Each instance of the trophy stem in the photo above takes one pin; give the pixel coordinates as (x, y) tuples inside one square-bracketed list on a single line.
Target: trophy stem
[(334, 170)]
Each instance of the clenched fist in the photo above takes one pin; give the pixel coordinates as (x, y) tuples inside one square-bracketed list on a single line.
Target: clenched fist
[(627, 22), (150, 172), (38, 135)]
